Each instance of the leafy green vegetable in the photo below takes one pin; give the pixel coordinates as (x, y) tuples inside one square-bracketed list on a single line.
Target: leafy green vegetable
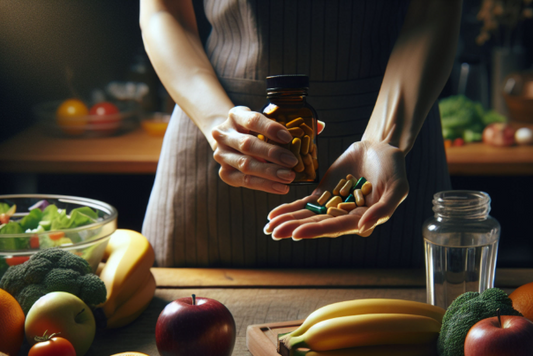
[(465, 118), (4, 208), (31, 221), (464, 312), (11, 227)]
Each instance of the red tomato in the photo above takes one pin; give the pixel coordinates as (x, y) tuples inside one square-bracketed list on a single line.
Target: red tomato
[(103, 108), (4, 218), (13, 261), (34, 241), (55, 346)]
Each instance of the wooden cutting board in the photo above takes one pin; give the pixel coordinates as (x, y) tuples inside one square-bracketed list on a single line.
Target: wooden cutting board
[(262, 339)]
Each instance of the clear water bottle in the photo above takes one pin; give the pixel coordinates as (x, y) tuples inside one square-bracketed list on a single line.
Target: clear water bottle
[(461, 246)]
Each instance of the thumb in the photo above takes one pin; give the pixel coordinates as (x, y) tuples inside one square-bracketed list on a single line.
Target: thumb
[(381, 211)]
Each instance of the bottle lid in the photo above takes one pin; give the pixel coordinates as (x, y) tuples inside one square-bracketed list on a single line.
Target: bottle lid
[(287, 81)]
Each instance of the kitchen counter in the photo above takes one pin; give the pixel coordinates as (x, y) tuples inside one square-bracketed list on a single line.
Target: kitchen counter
[(263, 296), (135, 152)]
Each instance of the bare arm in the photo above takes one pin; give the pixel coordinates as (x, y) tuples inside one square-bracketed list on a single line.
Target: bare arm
[(171, 39), (418, 68)]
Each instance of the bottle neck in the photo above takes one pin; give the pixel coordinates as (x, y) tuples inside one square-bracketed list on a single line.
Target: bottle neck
[(290, 95), (461, 205)]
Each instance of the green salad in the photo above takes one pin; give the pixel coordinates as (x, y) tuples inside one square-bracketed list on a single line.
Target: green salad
[(37, 222)]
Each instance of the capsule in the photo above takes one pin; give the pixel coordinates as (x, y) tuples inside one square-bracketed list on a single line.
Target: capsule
[(296, 132), (346, 188), (308, 131), (295, 149), (339, 186), (306, 140), (352, 178), (366, 188), (349, 199), (359, 198), (347, 206), (261, 137), (295, 123), (333, 202), (336, 211), (324, 197), (359, 183), (317, 209)]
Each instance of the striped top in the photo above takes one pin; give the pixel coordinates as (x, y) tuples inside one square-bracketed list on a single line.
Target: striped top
[(194, 219)]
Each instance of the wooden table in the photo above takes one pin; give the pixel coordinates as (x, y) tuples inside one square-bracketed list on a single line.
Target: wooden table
[(32, 151), (262, 296)]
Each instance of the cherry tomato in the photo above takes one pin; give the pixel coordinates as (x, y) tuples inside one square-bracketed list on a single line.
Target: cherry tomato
[(4, 218), (17, 260), (54, 346), (103, 108), (72, 116)]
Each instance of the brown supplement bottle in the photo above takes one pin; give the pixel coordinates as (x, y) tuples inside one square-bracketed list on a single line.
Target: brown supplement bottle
[(286, 95)]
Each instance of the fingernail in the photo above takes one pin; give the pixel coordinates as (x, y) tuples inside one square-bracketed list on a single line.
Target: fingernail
[(266, 229), (275, 238), (284, 136), (282, 188), (289, 159), (296, 239), (285, 174)]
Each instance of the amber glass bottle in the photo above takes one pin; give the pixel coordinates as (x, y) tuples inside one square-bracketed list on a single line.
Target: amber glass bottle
[(287, 104)]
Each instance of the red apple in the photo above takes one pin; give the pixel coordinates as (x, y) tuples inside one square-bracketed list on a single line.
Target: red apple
[(505, 335), (499, 134), (195, 327)]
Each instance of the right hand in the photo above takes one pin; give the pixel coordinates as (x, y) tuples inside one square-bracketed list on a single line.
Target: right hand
[(245, 160)]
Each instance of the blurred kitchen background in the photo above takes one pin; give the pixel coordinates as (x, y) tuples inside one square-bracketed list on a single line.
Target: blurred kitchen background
[(54, 49)]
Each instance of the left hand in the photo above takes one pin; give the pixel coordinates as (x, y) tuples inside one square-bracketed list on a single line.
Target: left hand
[(380, 163)]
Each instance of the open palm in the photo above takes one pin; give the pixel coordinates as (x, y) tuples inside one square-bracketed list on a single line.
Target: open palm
[(381, 164)]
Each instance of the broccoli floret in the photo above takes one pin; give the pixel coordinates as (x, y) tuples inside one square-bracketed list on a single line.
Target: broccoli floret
[(91, 290), (53, 270), (464, 312)]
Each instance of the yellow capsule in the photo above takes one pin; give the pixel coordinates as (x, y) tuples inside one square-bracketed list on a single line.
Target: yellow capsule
[(339, 186), (333, 202), (313, 151), (306, 140), (346, 188), (310, 170), (352, 178), (324, 197), (366, 188), (308, 160), (261, 137), (315, 163), (296, 145), (295, 123), (336, 211), (359, 198), (296, 132), (348, 206), (308, 131)]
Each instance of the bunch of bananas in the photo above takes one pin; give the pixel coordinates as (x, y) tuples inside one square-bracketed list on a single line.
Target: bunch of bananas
[(367, 327), (126, 274)]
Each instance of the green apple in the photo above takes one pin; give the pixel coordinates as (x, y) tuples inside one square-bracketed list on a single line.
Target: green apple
[(64, 313)]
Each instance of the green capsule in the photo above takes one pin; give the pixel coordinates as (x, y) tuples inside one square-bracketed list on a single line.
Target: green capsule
[(359, 183), (350, 199), (317, 209)]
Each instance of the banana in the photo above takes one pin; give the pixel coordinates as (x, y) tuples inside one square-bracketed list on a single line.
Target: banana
[(128, 257), (134, 306), (369, 306), (380, 350), (365, 330)]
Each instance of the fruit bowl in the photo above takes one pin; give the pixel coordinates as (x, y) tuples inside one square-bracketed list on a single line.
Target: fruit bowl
[(89, 124), (69, 225)]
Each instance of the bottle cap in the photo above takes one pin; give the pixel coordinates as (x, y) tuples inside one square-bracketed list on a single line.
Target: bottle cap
[(287, 81)]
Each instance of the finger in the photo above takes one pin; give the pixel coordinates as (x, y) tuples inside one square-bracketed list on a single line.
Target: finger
[(292, 215), (236, 178), (250, 145), (256, 122), (286, 229), (248, 165), (340, 225), (290, 207), (381, 211)]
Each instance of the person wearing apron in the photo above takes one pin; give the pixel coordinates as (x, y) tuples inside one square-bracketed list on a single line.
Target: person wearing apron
[(200, 215)]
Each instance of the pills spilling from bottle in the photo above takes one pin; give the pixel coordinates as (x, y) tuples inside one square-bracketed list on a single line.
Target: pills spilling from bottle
[(348, 194)]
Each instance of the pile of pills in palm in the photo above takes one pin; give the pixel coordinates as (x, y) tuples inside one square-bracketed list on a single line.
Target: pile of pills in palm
[(346, 196)]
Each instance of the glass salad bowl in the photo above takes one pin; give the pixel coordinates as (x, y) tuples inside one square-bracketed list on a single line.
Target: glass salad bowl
[(32, 222)]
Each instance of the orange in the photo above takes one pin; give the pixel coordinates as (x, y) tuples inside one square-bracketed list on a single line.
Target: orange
[(522, 299), (11, 324)]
